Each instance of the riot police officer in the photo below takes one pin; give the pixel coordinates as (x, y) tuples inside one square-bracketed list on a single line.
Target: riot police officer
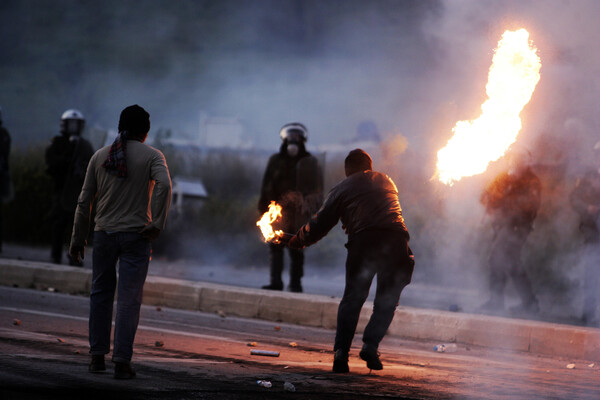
[(585, 201), (67, 158), (293, 179), (512, 200)]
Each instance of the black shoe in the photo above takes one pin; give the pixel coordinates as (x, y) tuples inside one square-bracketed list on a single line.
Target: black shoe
[(340, 362), (295, 288), (371, 356), (273, 286), (97, 364), (124, 371)]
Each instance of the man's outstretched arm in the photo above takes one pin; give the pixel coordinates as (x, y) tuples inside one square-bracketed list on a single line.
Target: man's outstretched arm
[(320, 224)]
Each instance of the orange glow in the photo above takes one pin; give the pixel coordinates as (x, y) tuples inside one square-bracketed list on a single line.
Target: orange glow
[(512, 78), (267, 219)]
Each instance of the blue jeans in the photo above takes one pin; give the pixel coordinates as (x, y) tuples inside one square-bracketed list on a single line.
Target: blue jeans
[(133, 253)]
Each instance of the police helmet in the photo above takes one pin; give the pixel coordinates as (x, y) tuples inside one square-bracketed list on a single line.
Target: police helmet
[(294, 132), (72, 122)]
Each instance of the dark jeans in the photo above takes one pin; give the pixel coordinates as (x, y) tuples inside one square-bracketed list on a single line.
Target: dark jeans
[(370, 253), (296, 265), (505, 261), (133, 253)]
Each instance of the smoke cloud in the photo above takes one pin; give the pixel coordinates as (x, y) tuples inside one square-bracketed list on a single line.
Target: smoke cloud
[(559, 130), (414, 68)]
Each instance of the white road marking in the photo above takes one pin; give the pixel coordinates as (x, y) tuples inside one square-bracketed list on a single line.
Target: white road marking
[(143, 327)]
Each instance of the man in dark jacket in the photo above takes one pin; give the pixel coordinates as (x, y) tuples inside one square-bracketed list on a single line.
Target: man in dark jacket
[(512, 201), (67, 158), (5, 184), (585, 200), (294, 180), (367, 204)]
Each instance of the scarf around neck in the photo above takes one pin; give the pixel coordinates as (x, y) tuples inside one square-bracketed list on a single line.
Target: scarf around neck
[(116, 161)]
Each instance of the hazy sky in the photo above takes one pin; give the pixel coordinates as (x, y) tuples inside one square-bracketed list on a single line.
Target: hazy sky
[(411, 67)]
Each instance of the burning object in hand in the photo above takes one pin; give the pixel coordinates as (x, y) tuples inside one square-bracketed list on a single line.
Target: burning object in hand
[(266, 221)]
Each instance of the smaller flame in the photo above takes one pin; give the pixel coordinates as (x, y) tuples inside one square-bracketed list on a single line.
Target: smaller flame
[(267, 219)]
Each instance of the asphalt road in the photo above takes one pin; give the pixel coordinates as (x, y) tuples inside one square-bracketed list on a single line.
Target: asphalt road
[(192, 355)]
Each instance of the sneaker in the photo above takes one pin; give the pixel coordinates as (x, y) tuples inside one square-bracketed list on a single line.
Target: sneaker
[(273, 286), (340, 362), (97, 364), (371, 356), (124, 371)]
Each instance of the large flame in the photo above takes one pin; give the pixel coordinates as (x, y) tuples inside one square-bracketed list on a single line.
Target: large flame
[(267, 219), (512, 78)]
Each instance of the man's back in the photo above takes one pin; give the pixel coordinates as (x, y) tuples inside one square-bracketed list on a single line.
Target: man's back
[(122, 203), (369, 200), (365, 200)]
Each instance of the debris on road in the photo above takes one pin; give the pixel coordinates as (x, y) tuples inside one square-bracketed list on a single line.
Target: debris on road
[(60, 340), (277, 327), (265, 384), (221, 313), (288, 387), (159, 343), (570, 366), (16, 322), (293, 344), (445, 348), (252, 344), (591, 365), (267, 353)]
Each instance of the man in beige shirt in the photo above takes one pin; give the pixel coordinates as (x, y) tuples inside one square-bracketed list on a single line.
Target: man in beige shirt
[(130, 184)]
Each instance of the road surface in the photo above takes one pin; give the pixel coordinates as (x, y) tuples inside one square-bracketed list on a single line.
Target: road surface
[(191, 355)]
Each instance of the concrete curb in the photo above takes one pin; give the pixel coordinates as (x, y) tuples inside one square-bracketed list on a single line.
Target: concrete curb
[(321, 311)]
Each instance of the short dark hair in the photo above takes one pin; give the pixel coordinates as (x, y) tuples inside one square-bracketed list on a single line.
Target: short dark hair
[(358, 160), (135, 121)]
